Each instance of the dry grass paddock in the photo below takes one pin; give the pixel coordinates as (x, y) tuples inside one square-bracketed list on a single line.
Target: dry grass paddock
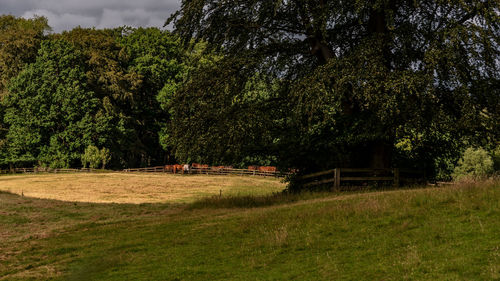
[(135, 188)]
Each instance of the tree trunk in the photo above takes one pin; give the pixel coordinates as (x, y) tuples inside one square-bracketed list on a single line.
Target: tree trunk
[(380, 151), (380, 154)]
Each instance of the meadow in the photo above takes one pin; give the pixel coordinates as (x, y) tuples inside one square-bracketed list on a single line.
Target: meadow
[(135, 188), (446, 233)]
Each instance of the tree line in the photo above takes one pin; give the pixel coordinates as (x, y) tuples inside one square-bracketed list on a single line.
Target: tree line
[(306, 85), (86, 88)]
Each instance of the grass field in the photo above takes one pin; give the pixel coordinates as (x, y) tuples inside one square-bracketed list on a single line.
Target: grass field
[(135, 188), (448, 233)]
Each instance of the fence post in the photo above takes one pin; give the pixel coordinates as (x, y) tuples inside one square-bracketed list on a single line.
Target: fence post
[(396, 177), (337, 178)]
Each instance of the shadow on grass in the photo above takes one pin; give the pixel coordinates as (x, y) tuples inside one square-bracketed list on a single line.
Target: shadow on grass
[(7, 192), (248, 201)]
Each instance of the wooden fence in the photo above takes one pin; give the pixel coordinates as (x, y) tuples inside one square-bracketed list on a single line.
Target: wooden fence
[(206, 171), (158, 169), (44, 170), (336, 177), (232, 171)]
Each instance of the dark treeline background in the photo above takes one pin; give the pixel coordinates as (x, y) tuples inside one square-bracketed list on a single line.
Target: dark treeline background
[(297, 84)]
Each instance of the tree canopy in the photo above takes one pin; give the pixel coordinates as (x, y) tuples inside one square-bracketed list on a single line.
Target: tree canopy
[(20, 39), (87, 88), (19, 43), (301, 84), (356, 83), (51, 112)]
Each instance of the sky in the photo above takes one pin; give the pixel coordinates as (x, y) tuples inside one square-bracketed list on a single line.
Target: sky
[(67, 14)]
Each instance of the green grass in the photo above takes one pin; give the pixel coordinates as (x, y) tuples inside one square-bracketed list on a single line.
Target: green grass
[(450, 233)]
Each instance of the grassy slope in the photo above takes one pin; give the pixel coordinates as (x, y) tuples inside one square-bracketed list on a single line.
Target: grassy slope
[(423, 234)]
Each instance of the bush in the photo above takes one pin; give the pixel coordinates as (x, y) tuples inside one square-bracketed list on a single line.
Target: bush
[(105, 157), (475, 164), (95, 157)]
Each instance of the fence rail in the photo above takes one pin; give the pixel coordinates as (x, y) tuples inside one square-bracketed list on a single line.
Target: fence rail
[(44, 170), (334, 177), (158, 169), (337, 176), (206, 171)]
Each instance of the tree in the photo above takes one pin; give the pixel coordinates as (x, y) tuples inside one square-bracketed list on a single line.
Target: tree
[(19, 42), (95, 158), (128, 68), (105, 157), (158, 59), (90, 158), (357, 77), (108, 77), (51, 113), (212, 125)]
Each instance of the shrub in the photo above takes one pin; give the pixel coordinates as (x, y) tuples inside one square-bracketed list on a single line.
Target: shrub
[(90, 157), (95, 157), (475, 164), (105, 157)]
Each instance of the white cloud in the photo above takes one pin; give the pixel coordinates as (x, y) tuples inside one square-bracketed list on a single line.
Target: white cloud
[(60, 22), (67, 14)]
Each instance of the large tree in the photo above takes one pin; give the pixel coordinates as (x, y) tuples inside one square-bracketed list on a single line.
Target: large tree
[(108, 78), (357, 78), (127, 68), (157, 57), (20, 40), (51, 112)]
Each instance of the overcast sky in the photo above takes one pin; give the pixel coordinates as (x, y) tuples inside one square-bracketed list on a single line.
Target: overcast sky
[(67, 14)]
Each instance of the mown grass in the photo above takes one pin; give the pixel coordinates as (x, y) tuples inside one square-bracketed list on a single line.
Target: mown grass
[(136, 188), (447, 233)]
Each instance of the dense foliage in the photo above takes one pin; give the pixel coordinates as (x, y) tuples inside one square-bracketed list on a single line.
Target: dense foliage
[(62, 93), (20, 39), (51, 112), (95, 158), (301, 84), (475, 164), (19, 42), (356, 83)]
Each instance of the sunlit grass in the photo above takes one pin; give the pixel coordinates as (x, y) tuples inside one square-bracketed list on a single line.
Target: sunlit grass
[(448, 233), (136, 188)]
